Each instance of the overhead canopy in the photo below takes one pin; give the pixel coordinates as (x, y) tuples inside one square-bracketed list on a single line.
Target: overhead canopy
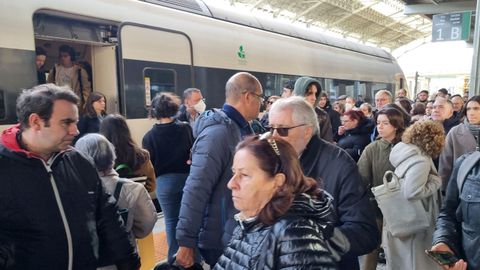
[(383, 23)]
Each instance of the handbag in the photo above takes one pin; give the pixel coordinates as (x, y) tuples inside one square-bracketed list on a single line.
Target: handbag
[(402, 217)]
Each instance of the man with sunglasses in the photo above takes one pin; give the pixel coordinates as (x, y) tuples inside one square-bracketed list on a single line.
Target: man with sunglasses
[(356, 232), (207, 209)]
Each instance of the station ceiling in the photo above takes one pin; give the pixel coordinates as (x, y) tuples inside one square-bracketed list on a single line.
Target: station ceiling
[(384, 23)]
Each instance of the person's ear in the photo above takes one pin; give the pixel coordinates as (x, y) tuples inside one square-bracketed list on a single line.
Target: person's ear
[(279, 179), (35, 122), (308, 132)]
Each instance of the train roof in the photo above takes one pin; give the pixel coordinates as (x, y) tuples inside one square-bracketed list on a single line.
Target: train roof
[(271, 25)]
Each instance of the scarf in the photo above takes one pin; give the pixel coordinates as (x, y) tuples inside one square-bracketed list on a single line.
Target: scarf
[(474, 129)]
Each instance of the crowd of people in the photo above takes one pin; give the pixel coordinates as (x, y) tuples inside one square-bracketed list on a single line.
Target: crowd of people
[(293, 193)]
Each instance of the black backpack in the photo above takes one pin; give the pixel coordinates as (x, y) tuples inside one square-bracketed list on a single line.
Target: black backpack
[(123, 212)]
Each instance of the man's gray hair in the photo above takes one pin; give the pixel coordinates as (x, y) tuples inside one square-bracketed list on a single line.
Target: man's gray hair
[(97, 147), (187, 93), (302, 112), (385, 92)]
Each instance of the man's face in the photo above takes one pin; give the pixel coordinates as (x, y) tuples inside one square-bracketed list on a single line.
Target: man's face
[(422, 96), (298, 137), (194, 98), (61, 128), (401, 93), (457, 104), (311, 94), (255, 103), (441, 110), (286, 93), (381, 100), (65, 59), (40, 60)]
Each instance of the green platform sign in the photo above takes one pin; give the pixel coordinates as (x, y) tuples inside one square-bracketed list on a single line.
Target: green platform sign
[(452, 26)]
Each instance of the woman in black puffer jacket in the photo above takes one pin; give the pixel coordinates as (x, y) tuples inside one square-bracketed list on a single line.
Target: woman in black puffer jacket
[(354, 134), (284, 217)]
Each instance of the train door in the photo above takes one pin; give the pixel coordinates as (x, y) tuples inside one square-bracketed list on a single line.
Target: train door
[(152, 60)]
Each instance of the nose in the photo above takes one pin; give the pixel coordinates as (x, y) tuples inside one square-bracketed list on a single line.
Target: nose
[(73, 130), (232, 184)]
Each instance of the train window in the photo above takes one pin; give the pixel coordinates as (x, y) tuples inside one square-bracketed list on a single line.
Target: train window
[(2, 105), (158, 80)]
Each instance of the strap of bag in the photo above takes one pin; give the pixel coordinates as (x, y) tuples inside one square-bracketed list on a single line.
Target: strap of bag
[(118, 189), (468, 163)]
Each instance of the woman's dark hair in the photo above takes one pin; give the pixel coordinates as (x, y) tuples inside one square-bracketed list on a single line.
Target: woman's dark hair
[(474, 98), (418, 108), (165, 105), (69, 50), (115, 129), (356, 115), (395, 117), (406, 116), (405, 104), (89, 110), (286, 162)]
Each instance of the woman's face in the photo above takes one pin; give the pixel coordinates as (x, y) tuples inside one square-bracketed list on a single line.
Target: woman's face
[(252, 188), (385, 129), (322, 102), (473, 112), (99, 105), (349, 123), (336, 107)]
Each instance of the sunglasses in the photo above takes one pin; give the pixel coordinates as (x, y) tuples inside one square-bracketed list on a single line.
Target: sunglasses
[(283, 131)]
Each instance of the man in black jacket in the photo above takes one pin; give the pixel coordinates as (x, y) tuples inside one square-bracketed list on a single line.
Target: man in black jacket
[(356, 232), (54, 212)]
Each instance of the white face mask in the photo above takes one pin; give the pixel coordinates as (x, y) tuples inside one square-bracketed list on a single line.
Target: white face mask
[(200, 106)]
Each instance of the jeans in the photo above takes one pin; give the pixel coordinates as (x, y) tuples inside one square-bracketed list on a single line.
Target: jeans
[(169, 195)]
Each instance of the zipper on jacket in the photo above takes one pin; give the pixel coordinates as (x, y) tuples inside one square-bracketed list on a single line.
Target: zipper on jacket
[(62, 211)]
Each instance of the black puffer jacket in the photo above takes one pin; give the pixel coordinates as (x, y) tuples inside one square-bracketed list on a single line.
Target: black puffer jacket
[(295, 241), (355, 140), (56, 210)]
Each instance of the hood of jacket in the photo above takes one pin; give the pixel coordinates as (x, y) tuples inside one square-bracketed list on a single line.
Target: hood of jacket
[(9, 141), (403, 156), (302, 84), (210, 118)]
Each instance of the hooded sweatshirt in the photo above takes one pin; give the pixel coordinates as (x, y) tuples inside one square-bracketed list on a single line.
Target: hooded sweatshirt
[(300, 89)]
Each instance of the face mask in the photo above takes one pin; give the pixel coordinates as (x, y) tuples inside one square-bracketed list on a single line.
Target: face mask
[(200, 106)]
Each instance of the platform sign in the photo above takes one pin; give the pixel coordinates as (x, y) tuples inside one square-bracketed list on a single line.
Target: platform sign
[(452, 26)]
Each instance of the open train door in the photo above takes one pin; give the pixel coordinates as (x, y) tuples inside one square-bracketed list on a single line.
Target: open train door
[(152, 60)]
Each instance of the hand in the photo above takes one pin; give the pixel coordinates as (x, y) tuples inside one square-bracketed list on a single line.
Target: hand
[(459, 265), (341, 130), (185, 257)]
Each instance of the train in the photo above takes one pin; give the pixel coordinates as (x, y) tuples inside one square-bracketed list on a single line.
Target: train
[(138, 48)]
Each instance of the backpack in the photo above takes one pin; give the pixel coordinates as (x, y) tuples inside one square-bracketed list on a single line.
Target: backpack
[(467, 165), (123, 212)]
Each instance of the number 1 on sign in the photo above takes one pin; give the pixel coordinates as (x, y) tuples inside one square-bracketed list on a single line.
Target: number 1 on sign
[(439, 31)]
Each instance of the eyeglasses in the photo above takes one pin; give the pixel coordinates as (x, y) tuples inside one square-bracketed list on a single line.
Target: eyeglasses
[(260, 96), (283, 131)]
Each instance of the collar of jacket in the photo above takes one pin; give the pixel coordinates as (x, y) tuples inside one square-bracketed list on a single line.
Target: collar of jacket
[(9, 140), (233, 114)]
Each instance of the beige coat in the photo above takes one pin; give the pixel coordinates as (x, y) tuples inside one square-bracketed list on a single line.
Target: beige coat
[(420, 182), (74, 84)]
